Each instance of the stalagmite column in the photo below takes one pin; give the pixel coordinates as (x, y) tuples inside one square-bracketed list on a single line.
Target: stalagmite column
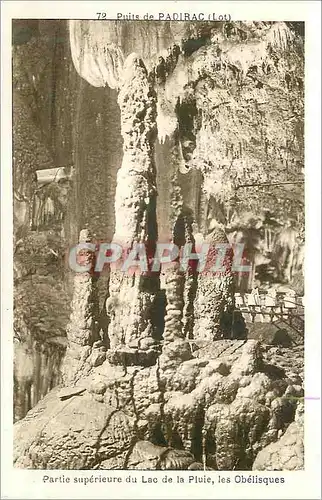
[(174, 286), (180, 285), (180, 289), (81, 330), (215, 293), (190, 285), (131, 297)]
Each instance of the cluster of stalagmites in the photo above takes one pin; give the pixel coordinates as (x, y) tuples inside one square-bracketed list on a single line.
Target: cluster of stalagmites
[(223, 410), (132, 296), (214, 406)]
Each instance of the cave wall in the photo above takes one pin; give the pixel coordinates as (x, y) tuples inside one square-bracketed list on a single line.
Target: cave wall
[(59, 120)]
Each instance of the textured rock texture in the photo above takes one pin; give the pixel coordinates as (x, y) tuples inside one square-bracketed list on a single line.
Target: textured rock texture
[(218, 411), (174, 286), (58, 120), (215, 292), (288, 452)]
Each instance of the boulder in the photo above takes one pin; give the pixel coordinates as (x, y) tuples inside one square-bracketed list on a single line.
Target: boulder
[(285, 454)]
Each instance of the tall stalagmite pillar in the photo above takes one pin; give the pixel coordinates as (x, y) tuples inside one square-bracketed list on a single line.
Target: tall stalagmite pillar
[(82, 334), (131, 300), (215, 292), (180, 288)]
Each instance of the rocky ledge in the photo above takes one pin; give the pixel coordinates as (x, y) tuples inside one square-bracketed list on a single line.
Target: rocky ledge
[(222, 406)]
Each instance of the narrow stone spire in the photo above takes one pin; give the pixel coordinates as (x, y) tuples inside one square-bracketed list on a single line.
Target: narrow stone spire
[(215, 292), (174, 285), (81, 329)]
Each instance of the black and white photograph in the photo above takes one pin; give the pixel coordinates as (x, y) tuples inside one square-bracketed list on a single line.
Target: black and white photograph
[(159, 246)]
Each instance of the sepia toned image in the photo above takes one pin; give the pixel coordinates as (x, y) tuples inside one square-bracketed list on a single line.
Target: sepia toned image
[(158, 245)]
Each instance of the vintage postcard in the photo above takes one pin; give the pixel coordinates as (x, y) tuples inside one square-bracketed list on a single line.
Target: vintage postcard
[(160, 254)]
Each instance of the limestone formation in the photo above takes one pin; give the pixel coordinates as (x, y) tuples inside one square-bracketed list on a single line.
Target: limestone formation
[(82, 328), (216, 410), (215, 292), (134, 292), (288, 452), (180, 288), (171, 389), (183, 235), (174, 286)]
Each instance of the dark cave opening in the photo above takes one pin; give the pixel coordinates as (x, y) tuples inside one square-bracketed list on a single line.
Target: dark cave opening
[(156, 436), (158, 315), (197, 436)]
